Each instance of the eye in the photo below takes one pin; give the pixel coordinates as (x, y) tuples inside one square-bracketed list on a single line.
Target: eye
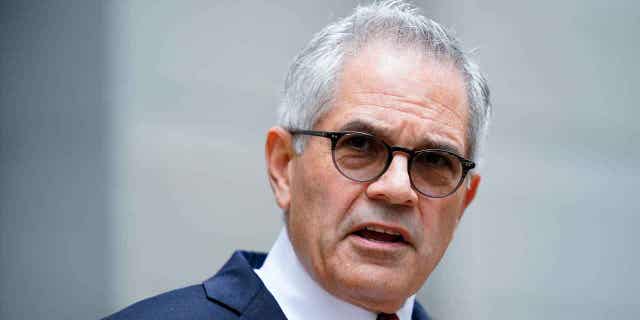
[(435, 160), (434, 171), (360, 156), (358, 142), (361, 147)]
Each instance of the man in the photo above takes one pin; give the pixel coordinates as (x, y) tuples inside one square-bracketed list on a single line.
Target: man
[(381, 115)]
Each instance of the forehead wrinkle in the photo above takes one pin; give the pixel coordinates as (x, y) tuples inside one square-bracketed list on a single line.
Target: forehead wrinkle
[(407, 105), (424, 116), (440, 87)]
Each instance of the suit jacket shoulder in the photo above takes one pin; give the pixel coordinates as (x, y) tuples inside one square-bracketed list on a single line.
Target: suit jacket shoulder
[(234, 292), (185, 303)]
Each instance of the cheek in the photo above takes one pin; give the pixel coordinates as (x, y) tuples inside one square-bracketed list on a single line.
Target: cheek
[(322, 188), (320, 200), (327, 202), (316, 205), (440, 221)]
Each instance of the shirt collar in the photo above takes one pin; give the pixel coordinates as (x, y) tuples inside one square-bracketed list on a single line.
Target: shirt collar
[(300, 297)]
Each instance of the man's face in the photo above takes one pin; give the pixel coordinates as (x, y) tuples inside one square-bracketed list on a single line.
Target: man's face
[(407, 100)]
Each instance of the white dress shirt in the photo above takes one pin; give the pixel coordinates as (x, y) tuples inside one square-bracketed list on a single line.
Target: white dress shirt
[(300, 297)]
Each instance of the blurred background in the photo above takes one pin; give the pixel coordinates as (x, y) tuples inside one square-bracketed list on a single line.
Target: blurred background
[(131, 152)]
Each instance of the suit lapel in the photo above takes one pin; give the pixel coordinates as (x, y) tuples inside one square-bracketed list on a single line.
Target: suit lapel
[(239, 289), (419, 313)]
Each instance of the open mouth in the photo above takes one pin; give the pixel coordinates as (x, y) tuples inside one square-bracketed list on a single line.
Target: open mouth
[(380, 235)]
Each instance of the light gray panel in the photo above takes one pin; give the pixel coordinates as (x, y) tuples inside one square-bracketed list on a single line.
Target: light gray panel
[(196, 87), (552, 233)]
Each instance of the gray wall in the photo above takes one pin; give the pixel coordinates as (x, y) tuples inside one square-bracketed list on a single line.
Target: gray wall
[(132, 139), (55, 161)]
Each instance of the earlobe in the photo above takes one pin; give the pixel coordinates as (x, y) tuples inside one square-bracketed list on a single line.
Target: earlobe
[(278, 156)]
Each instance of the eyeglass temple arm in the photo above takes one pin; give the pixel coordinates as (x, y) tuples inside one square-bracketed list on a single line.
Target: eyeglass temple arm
[(313, 133)]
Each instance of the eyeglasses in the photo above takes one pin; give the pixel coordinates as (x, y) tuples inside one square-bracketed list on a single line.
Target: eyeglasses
[(363, 157)]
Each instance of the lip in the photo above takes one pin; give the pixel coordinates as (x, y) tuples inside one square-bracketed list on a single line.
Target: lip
[(406, 235)]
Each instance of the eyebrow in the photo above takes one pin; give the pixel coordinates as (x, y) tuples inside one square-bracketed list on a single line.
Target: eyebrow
[(385, 132), (366, 127)]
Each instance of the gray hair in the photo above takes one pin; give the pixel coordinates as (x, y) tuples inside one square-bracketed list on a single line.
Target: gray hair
[(312, 78)]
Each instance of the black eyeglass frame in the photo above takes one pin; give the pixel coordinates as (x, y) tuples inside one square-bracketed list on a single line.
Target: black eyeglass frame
[(467, 165)]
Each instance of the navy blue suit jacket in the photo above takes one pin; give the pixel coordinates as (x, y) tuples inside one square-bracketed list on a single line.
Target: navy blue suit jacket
[(235, 292)]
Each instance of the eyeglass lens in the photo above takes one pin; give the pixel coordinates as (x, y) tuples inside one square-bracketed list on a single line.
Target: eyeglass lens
[(362, 157)]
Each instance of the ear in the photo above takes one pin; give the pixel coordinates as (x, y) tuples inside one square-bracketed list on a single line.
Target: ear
[(472, 189), (279, 154)]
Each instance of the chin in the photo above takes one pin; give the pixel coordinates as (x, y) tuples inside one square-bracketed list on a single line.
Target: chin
[(373, 287)]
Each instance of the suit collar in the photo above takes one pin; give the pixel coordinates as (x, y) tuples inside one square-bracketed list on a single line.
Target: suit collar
[(239, 289)]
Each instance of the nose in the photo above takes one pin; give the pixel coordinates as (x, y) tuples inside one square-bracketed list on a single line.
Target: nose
[(394, 186)]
